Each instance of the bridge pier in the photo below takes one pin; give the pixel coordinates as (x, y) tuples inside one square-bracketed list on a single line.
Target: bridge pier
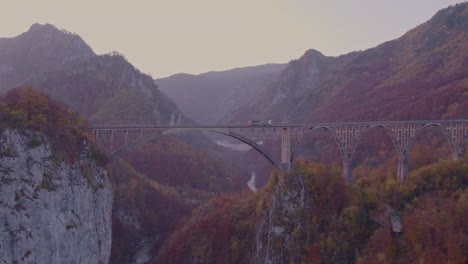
[(455, 155), (285, 148), (347, 170), (96, 137), (456, 134), (111, 140), (457, 150), (402, 169)]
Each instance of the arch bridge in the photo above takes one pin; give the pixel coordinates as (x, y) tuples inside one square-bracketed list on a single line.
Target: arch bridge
[(263, 139)]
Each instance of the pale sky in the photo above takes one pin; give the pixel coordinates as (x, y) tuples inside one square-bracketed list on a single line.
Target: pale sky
[(164, 37)]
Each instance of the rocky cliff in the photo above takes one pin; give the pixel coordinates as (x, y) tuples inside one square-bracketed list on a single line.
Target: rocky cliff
[(51, 211), (282, 223)]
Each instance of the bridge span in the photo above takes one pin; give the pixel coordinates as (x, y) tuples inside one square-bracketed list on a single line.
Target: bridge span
[(347, 135)]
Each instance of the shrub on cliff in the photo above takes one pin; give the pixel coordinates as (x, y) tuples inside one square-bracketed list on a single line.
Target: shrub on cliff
[(28, 109)]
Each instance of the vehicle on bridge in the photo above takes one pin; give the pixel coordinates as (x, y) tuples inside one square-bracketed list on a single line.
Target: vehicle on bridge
[(260, 123)]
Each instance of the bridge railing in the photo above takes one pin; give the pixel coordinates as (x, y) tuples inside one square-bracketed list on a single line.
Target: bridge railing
[(301, 125)]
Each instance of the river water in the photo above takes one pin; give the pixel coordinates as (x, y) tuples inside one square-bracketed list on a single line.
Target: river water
[(233, 146)]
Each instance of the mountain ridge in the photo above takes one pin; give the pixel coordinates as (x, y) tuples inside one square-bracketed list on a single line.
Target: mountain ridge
[(390, 76), (40, 49), (224, 90)]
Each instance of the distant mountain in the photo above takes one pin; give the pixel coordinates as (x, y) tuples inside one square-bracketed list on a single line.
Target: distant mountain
[(42, 48), (106, 89), (208, 97), (109, 90), (421, 75), (282, 95)]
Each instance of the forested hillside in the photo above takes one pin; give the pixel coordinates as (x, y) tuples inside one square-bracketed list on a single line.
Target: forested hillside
[(421, 75), (310, 215)]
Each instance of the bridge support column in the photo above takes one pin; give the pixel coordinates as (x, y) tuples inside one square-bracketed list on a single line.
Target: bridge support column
[(403, 135), (402, 170), (285, 148), (347, 138), (96, 136), (347, 170), (455, 156), (456, 134), (111, 140)]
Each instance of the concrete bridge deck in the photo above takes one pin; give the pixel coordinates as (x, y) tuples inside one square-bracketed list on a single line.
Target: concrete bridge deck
[(346, 134)]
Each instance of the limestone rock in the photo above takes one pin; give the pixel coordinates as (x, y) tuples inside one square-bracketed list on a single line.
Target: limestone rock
[(51, 211)]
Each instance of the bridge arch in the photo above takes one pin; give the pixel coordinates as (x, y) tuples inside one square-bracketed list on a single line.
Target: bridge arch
[(366, 137), (347, 136), (373, 127), (309, 131), (457, 151), (169, 131)]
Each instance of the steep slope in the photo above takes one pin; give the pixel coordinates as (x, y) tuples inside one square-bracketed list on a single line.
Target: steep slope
[(225, 90), (421, 75), (301, 77), (107, 89), (55, 196), (42, 48)]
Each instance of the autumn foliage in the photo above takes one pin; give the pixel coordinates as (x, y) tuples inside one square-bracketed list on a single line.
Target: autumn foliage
[(343, 224), (29, 109)]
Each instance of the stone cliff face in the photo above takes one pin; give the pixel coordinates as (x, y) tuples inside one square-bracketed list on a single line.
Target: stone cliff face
[(282, 225), (51, 211)]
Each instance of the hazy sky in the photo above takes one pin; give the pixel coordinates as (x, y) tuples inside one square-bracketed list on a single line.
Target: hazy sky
[(163, 37)]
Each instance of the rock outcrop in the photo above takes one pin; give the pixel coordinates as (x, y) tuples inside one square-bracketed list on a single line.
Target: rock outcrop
[(281, 226), (51, 211)]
